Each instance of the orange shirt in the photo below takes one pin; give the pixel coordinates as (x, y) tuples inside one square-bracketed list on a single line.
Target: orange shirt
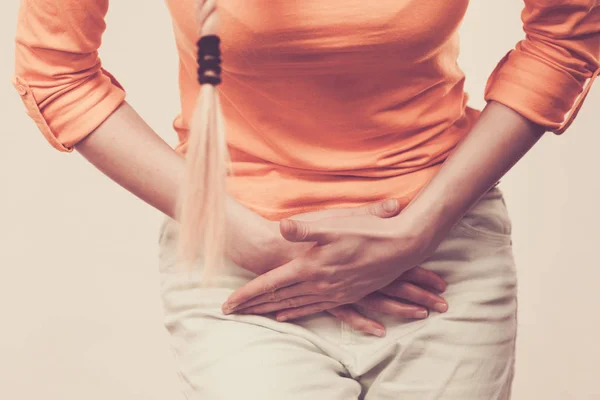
[(327, 103)]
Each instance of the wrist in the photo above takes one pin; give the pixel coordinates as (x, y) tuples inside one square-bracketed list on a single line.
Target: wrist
[(426, 222), (255, 230)]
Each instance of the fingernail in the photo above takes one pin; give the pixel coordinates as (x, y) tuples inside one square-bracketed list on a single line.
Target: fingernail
[(281, 318), (421, 314), (390, 205), (378, 332), (288, 226), (440, 307), (440, 287), (228, 308)]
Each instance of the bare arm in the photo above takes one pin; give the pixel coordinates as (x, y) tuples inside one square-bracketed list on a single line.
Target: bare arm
[(537, 87), (128, 151), (498, 140)]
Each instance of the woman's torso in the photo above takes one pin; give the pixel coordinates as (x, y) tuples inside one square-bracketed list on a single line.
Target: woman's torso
[(331, 104)]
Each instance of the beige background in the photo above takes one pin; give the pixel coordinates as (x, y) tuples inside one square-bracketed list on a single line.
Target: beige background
[(79, 300)]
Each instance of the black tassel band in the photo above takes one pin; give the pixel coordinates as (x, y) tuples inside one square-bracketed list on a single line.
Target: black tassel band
[(209, 60)]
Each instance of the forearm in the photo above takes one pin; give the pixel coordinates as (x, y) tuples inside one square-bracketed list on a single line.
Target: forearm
[(129, 152), (497, 141)]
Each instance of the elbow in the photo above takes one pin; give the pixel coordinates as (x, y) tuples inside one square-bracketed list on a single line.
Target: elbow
[(548, 90), (66, 107)]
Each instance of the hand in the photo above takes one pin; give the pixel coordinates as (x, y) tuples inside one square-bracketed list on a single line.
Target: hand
[(259, 246), (352, 258), (267, 249), (418, 288)]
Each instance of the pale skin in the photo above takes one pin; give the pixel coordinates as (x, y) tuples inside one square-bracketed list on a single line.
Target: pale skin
[(128, 151), (354, 256), (334, 258)]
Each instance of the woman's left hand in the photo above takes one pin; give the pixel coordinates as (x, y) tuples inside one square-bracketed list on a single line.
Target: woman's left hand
[(351, 258)]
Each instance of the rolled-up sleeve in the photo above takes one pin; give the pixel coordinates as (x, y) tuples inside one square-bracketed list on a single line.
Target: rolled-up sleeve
[(57, 70), (548, 75)]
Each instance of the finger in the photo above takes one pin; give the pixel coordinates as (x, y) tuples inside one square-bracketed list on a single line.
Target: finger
[(384, 209), (279, 295), (424, 277), (270, 281), (383, 304), (415, 294), (293, 302), (357, 321), (304, 311), (299, 231)]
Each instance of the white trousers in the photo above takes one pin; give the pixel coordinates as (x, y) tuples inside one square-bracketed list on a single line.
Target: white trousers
[(465, 353)]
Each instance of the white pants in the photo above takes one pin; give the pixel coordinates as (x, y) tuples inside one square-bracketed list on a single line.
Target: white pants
[(466, 353)]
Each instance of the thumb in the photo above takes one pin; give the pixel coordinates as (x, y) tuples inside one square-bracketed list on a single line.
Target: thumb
[(384, 209), (301, 231)]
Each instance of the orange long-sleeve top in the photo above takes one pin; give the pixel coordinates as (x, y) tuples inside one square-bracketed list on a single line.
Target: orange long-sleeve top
[(327, 103)]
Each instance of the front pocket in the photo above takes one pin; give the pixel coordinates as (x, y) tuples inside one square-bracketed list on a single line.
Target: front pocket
[(488, 220), (484, 234)]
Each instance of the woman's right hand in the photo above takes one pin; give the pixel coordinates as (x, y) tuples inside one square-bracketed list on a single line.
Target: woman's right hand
[(260, 247), (411, 296)]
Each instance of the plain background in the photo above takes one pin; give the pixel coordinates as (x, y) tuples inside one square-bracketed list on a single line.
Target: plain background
[(79, 293)]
